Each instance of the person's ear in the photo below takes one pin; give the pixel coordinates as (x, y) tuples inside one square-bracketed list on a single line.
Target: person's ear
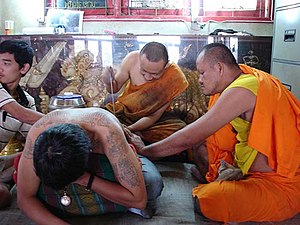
[(220, 67), (25, 69)]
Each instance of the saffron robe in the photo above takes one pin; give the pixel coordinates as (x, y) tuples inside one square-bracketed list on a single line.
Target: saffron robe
[(140, 101), (274, 132)]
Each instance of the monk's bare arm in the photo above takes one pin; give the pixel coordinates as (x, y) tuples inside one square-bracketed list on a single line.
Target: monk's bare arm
[(148, 121), (230, 105), (124, 72), (115, 79)]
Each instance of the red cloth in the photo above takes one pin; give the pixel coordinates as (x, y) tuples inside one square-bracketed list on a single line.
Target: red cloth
[(16, 164)]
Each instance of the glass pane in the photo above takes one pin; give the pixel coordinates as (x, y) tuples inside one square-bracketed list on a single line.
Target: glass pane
[(107, 57), (93, 47), (163, 4), (218, 5)]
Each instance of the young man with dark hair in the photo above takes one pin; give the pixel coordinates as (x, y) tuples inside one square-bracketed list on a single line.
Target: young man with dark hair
[(17, 107), (59, 143), (79, 162)]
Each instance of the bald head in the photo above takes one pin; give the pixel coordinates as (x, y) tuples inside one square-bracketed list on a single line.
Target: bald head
[(217, 52), (217, 68), (155, 52)]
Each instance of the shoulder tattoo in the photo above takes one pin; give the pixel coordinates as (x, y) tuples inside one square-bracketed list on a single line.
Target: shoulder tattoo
[(28, 151), (98, 119), (52, 118)]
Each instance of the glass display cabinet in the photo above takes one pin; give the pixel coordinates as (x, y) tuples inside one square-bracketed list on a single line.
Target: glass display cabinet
[(74, 62)]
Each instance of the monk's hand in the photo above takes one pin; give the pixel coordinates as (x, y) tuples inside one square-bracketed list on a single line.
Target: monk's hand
[(229, 172), (108, 75), (134, 139)]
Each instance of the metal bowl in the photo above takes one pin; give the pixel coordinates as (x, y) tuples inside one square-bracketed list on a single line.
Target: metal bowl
[(66, 101)]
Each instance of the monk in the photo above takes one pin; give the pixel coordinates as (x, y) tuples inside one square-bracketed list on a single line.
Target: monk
[(150, 83), (251, 137)]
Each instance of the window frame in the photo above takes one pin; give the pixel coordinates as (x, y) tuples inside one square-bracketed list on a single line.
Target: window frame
[(119, 10), (258, 15)]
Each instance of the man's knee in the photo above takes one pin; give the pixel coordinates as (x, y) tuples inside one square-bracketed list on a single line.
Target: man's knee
[(153, 179), (5, 196), (154, 186)]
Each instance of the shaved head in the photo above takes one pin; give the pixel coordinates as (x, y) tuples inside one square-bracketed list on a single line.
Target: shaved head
[(217, 52)]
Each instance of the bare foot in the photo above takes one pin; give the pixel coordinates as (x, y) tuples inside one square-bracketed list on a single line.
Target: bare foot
[(229, 172)]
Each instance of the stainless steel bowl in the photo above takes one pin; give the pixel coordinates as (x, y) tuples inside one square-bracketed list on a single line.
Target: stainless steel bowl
[(66, 101)]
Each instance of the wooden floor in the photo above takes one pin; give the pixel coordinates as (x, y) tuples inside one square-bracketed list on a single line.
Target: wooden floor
[(174, 207)]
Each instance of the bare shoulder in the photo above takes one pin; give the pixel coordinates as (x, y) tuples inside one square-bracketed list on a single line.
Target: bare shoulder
[(40, 126), (131, 58), (29, 146), (129, 63), (95, 117), (96, 120), (109, 136), (133, 54), (233, 103), (91, 115), (239, 97)]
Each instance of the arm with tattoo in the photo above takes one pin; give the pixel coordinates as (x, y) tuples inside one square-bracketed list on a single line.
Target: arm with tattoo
[(130, 190)]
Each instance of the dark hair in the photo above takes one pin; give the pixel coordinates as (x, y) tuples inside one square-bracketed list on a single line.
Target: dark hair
[(61, 155), (155, 51), (217, 52), (22, 52)]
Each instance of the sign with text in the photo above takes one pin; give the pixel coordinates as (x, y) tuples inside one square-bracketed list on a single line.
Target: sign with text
[(81, 4)]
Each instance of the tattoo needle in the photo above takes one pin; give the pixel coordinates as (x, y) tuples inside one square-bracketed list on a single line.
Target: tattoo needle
[(111, 88)]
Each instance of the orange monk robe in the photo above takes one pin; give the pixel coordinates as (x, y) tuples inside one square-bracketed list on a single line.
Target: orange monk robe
[(275, 129), (220, 148), (275, 132), (136, 102)]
